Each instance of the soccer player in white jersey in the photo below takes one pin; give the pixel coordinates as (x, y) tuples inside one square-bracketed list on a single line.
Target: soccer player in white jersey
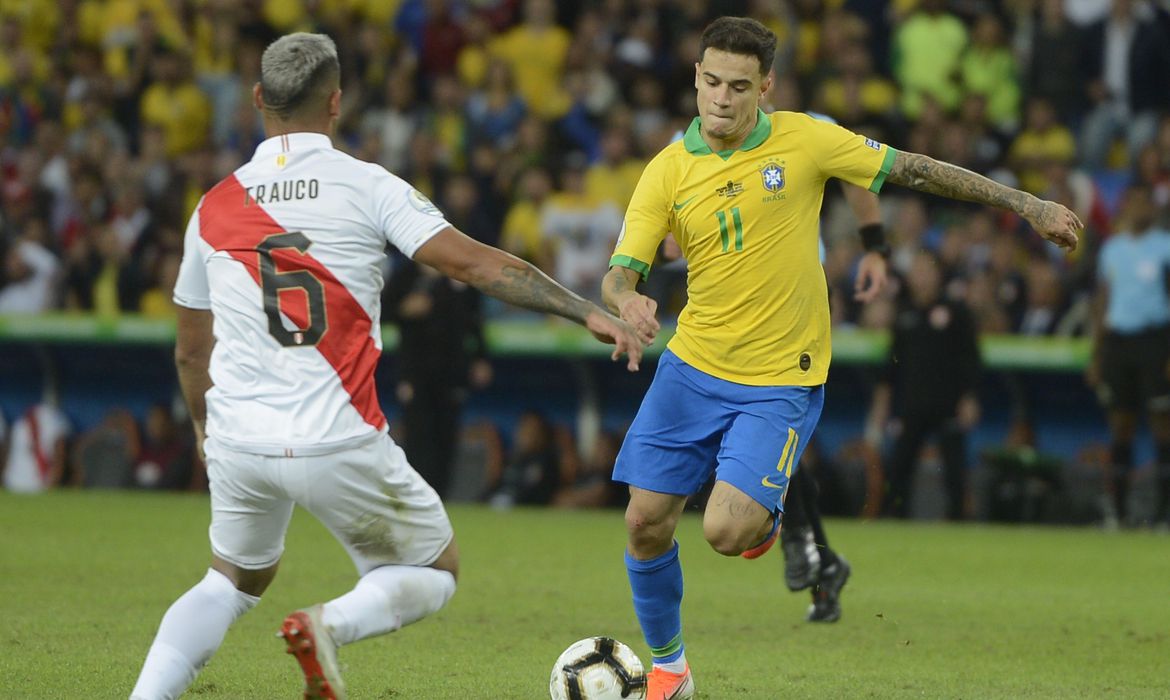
[(278, 337)]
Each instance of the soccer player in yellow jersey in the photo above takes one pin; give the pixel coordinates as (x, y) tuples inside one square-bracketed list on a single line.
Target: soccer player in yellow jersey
[(739, 389)]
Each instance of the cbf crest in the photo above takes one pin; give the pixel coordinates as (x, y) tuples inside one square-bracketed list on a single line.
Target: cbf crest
[(773, 176)]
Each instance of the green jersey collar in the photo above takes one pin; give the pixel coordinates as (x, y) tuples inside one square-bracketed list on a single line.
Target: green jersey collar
[(696, 146)]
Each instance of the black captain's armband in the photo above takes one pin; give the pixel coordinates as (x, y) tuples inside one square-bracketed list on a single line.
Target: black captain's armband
[(873, 239)]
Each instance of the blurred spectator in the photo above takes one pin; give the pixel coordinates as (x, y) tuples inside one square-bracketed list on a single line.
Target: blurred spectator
[(442, 39), (36, 450), (592, 485), (447, 121), (856, 96), (1004, 266), (1045, 300), (612, 179), (522, 235), (165, 459), (176, 104), (532, 474), (30, 273), (929, 46), (494, 112), (1127, 72), (105, 455), (396, 122), (1053, 59), (1043, 142), (441, 355), (581, 232), (989, 69), (536, 49), (930, 385)]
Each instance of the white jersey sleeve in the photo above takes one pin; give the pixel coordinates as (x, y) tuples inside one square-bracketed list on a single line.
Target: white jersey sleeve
[(404, 215), (191, 289)]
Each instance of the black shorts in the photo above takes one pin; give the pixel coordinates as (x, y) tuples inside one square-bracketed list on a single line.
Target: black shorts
[(1134, 368)]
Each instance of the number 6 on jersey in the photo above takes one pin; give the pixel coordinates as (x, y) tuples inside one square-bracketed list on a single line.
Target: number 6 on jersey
[(273, 281)]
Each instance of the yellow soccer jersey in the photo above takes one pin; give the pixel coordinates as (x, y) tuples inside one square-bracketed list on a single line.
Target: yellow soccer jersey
[(747, 221)]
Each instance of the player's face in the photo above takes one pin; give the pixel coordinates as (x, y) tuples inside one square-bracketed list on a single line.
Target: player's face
[(729, 87)]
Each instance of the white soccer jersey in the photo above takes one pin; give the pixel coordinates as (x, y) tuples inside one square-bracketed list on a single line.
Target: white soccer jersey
[(287, 253)]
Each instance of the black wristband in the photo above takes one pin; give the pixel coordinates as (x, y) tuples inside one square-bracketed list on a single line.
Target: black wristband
[(873, 239)]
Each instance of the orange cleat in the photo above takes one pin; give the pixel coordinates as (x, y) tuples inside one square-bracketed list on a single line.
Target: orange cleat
[(309, 642), (664, 685)]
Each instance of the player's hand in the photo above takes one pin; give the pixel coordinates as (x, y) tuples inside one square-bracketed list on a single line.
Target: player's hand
[(609, 329), (871, 277), (1055, 222), (638, 310)]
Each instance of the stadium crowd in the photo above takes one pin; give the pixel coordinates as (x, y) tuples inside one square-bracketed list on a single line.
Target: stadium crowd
[(529, 123)]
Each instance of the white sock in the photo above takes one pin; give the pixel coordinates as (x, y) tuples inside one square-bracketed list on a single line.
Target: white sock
[(189, 634), (386, 599), (677, 666)]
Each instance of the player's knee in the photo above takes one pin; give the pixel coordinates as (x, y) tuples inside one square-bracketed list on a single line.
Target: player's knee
[(648, 532), (449, 560), (727, 539), (250, 581)]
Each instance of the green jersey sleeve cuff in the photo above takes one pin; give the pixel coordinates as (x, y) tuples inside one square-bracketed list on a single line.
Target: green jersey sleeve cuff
[(887, 165), (636, 265)]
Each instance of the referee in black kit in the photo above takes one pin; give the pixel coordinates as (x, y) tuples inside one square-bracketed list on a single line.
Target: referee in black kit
[(1130, 366), (931, 380)]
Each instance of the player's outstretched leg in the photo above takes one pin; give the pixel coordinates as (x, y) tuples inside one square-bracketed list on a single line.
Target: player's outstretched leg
[(190, 632), (384, 600)]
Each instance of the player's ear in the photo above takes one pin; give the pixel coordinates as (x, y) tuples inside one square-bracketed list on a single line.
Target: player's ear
[(257, 99), (335, 104), (766, 83), (697, 74)]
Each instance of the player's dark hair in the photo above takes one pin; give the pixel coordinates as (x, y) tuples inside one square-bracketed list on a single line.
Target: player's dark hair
[(743, 36)]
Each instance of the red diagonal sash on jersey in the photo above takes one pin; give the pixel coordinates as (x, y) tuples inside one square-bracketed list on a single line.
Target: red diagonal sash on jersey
[(228, 225)]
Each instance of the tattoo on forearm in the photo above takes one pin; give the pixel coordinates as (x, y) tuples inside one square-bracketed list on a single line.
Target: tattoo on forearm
[(613, 285), (926, 174), (524, 285)]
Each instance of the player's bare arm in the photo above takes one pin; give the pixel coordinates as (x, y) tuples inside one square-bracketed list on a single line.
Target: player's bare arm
[(620, 294), (508, 278), (1051, 220), (193, 344)]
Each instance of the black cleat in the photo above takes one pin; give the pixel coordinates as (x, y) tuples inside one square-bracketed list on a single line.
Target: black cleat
[(802, 561), (826, 605)]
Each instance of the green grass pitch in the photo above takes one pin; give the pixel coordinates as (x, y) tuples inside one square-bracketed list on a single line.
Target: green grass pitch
[(932, 611)]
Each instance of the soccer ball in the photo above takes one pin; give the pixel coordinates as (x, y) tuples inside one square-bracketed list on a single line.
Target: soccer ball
[(598, 668)]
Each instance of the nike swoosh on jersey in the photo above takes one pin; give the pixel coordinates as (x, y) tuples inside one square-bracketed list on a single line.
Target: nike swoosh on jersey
[(769, 484), (679, 205)]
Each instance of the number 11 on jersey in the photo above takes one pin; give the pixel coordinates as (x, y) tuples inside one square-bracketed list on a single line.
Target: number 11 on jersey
[(724, 233)]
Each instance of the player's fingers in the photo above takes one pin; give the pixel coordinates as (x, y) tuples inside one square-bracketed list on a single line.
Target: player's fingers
[(634, 353)]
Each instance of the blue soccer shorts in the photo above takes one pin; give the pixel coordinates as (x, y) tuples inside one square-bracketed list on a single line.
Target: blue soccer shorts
[(691, 423)]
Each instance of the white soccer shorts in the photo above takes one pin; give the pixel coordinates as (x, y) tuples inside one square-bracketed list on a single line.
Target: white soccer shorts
[(369, 497)]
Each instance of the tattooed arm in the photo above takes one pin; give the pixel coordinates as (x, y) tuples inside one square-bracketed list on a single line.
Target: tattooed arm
[(619, 292), (1051, 220), (508, 278)]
